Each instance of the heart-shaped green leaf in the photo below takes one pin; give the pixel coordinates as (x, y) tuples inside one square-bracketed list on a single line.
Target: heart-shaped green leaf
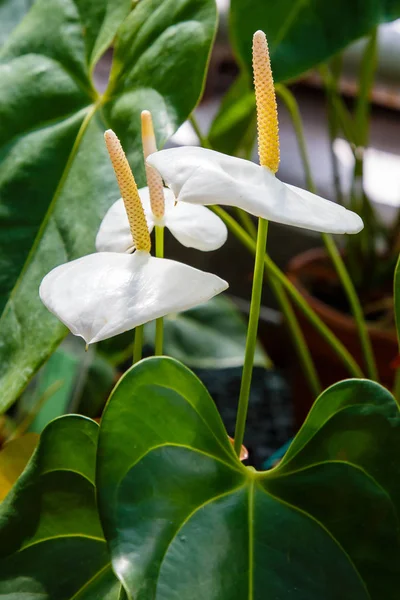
[(185, 519), (51, 542), (302, 34), (56, 181), (209, 336)]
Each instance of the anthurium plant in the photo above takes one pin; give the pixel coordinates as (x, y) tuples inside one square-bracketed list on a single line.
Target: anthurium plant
[(154, 500)]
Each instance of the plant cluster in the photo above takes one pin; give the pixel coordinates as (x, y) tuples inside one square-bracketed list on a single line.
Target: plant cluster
[(154, 500)]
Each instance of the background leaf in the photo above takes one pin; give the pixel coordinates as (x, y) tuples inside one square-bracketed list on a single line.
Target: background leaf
[(233, 130), (51, 542), (302, 34), (56, 181), (209, 336), (184, 518)]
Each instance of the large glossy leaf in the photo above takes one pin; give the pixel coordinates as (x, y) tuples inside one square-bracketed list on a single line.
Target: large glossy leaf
[(56, 181), (209, 336), (302, 34), (185, 519), (51, 542)]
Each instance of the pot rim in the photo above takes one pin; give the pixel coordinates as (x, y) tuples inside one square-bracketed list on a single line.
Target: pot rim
[(297, 266)]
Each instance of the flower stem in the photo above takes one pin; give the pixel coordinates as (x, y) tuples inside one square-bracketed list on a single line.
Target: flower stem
[(159, 322), (336, 345), (292, 323), (329, 243), (355, 305), (202, 138), (251, 339), (138, 344), (299, 341)]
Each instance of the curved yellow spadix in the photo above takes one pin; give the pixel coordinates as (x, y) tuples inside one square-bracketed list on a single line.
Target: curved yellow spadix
[(154, 180), (129, 192), (267, 114)]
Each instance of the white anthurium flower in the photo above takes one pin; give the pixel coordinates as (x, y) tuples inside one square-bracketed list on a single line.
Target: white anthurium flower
[(202, 176), (104, 294), (194, 226)]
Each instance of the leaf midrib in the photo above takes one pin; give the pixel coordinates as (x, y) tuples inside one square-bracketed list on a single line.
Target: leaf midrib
[(286, 25), (92, 109)]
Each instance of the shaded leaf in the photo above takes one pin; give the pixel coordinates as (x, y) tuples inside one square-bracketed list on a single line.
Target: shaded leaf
[(302, 34), (233, 130), (51, 542), (56, 181), (209, 336), (99, 382), (184, 518)]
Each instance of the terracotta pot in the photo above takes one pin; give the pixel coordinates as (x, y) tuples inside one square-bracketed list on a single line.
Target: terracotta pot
[(304, 267)]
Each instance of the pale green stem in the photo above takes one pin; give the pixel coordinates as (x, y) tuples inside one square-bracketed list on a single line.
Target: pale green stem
[(296, 333), (202, 138), (158, 350), (355, 305), (247, 222), (138, 344), (292, 106), (251, 339), (330, 245), (299, 341), (336, 345)]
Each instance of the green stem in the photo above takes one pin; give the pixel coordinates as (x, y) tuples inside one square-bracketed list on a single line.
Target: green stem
[(292, 323), (329, 243), (247, 222), (158, 348), (355, 306), (299, 341), (336, 345), (138, 344), (293, 108), (202, 138), (251, 339)]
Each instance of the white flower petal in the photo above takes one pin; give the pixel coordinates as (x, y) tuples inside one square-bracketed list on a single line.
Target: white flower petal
[(195, 226), (114, 234), (204, 176), (104, 294)]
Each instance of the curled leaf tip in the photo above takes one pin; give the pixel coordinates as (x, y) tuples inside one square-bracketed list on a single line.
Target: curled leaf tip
[(129, 192), (267, 113), (154, 180)]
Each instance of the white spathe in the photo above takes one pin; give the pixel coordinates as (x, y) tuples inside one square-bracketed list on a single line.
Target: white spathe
[(202, 176), (104, 294), (194, 226)]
